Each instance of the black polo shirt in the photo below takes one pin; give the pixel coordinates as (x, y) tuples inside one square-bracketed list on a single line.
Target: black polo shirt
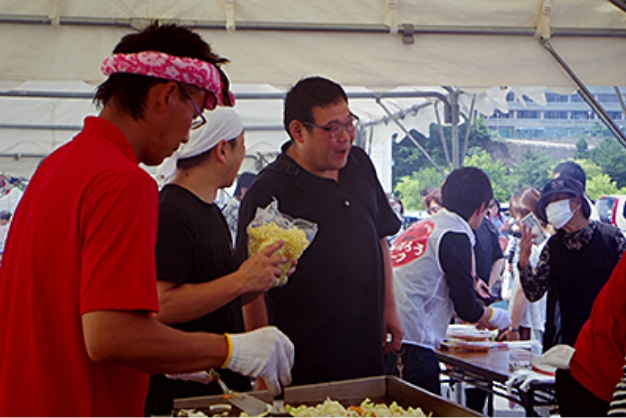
[(332, 306)]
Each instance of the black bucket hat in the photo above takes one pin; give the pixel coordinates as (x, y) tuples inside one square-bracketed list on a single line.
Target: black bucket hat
[(563, 184)]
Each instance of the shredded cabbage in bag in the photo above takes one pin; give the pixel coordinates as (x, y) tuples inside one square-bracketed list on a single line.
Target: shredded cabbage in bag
[(264, 235), (270, 226)]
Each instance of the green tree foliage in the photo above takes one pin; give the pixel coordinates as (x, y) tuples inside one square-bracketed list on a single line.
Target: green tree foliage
[(600, 130), (533, 170), (582, 149), (602, 185), (598, 182), (591, 169), (409, 187), (496, 170), (605, 165), (408, 158), (611, 156)]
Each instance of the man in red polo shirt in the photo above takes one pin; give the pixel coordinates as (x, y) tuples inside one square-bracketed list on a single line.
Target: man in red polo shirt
[(78, 282), (601, 346)]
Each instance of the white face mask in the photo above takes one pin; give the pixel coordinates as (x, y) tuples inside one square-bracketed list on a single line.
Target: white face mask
[(559, 213)]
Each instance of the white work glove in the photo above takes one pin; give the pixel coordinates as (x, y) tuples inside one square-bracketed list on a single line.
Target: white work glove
[(266, 353), (499, 318)]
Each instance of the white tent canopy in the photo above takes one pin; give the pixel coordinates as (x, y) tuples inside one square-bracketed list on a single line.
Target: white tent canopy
[(480, 43), (372, 47)]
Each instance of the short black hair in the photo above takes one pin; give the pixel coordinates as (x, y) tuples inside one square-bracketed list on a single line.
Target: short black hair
[(309, 93), (130, 90), (196, 160), (5, 215), (465, 189), (571, 169), (245, 180)]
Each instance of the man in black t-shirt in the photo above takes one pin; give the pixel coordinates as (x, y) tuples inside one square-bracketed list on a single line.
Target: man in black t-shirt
[(200, 287)]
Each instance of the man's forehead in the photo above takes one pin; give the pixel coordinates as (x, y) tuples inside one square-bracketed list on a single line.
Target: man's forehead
[(335, 112)]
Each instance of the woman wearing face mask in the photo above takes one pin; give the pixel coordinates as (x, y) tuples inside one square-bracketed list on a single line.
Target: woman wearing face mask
[(573, 267)]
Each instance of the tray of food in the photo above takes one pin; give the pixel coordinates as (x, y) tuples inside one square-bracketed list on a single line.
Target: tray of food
[(470, 333), (355, 396), (462, 337), (462, 345)]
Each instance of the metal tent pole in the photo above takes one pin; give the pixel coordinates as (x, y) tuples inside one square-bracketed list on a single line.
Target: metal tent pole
[(410, 135), (586, 94), (453, 119), (411, 29)]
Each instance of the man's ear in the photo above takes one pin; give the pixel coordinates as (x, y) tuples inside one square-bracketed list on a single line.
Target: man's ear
[(296, 130), (160, 95), (480, 209), (221, 151)]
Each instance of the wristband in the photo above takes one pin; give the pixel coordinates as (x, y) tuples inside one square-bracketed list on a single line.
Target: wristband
[(491, 315), (230, 351)]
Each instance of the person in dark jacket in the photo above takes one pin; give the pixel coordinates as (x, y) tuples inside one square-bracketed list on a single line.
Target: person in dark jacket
[(573, 267)]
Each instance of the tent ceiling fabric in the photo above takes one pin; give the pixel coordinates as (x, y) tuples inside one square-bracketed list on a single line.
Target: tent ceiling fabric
[(360, 52), (475, 46)]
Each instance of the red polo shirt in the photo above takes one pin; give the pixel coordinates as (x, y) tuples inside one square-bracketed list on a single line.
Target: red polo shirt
[(601, 344), (82, 240)]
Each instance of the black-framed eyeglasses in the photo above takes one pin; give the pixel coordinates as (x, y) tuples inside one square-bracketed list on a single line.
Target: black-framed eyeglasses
[(199, 119), (335, 129)]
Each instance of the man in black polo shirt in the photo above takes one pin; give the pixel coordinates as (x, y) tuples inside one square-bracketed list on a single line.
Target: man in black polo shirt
[(338, 306)]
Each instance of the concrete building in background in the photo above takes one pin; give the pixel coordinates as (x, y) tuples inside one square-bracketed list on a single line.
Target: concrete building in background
[(564, 117)]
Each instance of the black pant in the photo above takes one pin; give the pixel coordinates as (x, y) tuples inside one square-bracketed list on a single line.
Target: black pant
[(420, 367), (575, 400), (475, 399)]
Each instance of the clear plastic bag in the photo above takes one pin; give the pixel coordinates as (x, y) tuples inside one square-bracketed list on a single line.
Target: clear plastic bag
[(270, 225)]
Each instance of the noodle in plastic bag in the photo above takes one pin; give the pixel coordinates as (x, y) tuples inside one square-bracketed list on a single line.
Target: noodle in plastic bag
[(270, 226)]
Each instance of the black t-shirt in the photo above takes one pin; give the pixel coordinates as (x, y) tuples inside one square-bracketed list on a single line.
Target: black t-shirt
[(194, 245), (332, 306), (487, 250)]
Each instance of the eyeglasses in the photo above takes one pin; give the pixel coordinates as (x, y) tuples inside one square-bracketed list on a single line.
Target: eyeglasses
[(335, 129), (199, 119)]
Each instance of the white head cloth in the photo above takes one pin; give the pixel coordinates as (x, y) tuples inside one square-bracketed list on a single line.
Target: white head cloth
[(222, 124)]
